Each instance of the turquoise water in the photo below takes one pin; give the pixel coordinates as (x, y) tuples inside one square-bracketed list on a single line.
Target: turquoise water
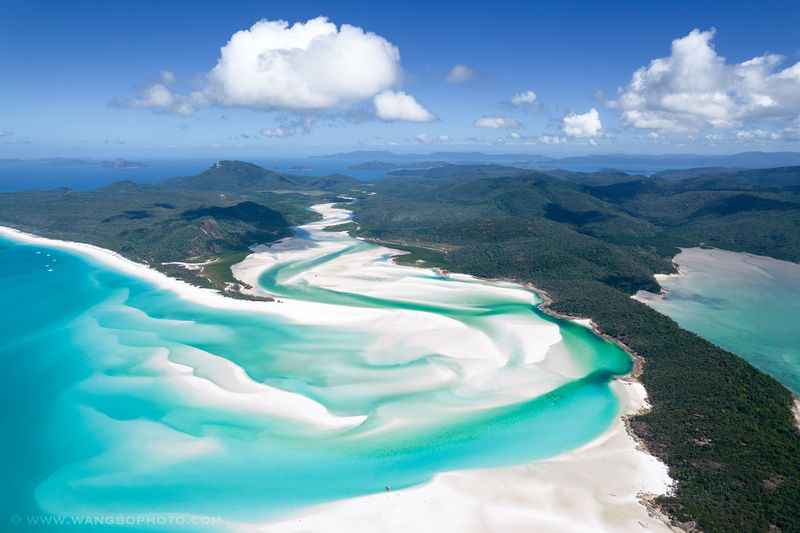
[(123, 398), (747, 304)]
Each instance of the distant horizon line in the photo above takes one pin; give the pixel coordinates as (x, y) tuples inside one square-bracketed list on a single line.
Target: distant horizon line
[(377, 153)]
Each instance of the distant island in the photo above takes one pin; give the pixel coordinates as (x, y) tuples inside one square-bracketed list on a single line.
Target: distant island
[(74, 162), (122, 164), (384, 166), (380, 160)]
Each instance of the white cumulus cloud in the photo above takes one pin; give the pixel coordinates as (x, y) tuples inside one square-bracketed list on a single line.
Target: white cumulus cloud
[(460, 74), (159, 97), (582, 125), (497, 123), (304, 67), (392, 106), (310, 65), (696, 88), (524, 98)]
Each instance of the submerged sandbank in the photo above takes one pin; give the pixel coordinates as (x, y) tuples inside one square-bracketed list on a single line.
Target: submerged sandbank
[(744, 303)]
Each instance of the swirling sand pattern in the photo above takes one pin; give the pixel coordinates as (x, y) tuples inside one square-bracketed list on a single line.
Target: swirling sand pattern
[(137, 395)]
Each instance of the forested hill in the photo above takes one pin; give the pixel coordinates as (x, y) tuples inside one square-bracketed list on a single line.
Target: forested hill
[(591, 240), (214, 216), (387, 160), (238, 176), (741, 210)]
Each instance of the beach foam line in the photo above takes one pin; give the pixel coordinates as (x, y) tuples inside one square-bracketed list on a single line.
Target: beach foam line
[(142, 271), (294, 310)]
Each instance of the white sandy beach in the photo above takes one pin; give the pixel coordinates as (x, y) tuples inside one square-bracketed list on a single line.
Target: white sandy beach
[(594, 488), (796, 411)]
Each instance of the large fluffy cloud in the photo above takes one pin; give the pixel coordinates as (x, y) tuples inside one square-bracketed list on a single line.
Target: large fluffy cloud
[(582, 125), (311, 65), (305, 67), (696, 88), (497, 123), (391, 106)]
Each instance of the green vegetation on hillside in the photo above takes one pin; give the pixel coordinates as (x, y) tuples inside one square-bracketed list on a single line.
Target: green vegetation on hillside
[(237, 176), (345, 226), (215, 216)]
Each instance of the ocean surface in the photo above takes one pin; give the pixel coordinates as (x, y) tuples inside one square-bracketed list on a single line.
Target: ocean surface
[(747, 304), (130, 406)]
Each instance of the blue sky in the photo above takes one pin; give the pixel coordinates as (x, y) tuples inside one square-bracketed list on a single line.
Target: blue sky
[(134, 79)]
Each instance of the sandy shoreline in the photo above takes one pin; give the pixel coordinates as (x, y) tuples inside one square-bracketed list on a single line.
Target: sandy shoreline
[(291, 310), (796, 411), (597, 487), (117, 261), (638, 360)]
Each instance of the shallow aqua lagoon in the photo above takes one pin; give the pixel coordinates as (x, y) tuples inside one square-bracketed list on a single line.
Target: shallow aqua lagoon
[(101, 416), (747, 304)]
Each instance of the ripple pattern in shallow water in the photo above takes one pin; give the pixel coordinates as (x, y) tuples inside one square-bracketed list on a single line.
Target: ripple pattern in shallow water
[(131, 399)]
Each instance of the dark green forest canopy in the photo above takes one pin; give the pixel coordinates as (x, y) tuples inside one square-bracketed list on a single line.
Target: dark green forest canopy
[(216, 215)]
